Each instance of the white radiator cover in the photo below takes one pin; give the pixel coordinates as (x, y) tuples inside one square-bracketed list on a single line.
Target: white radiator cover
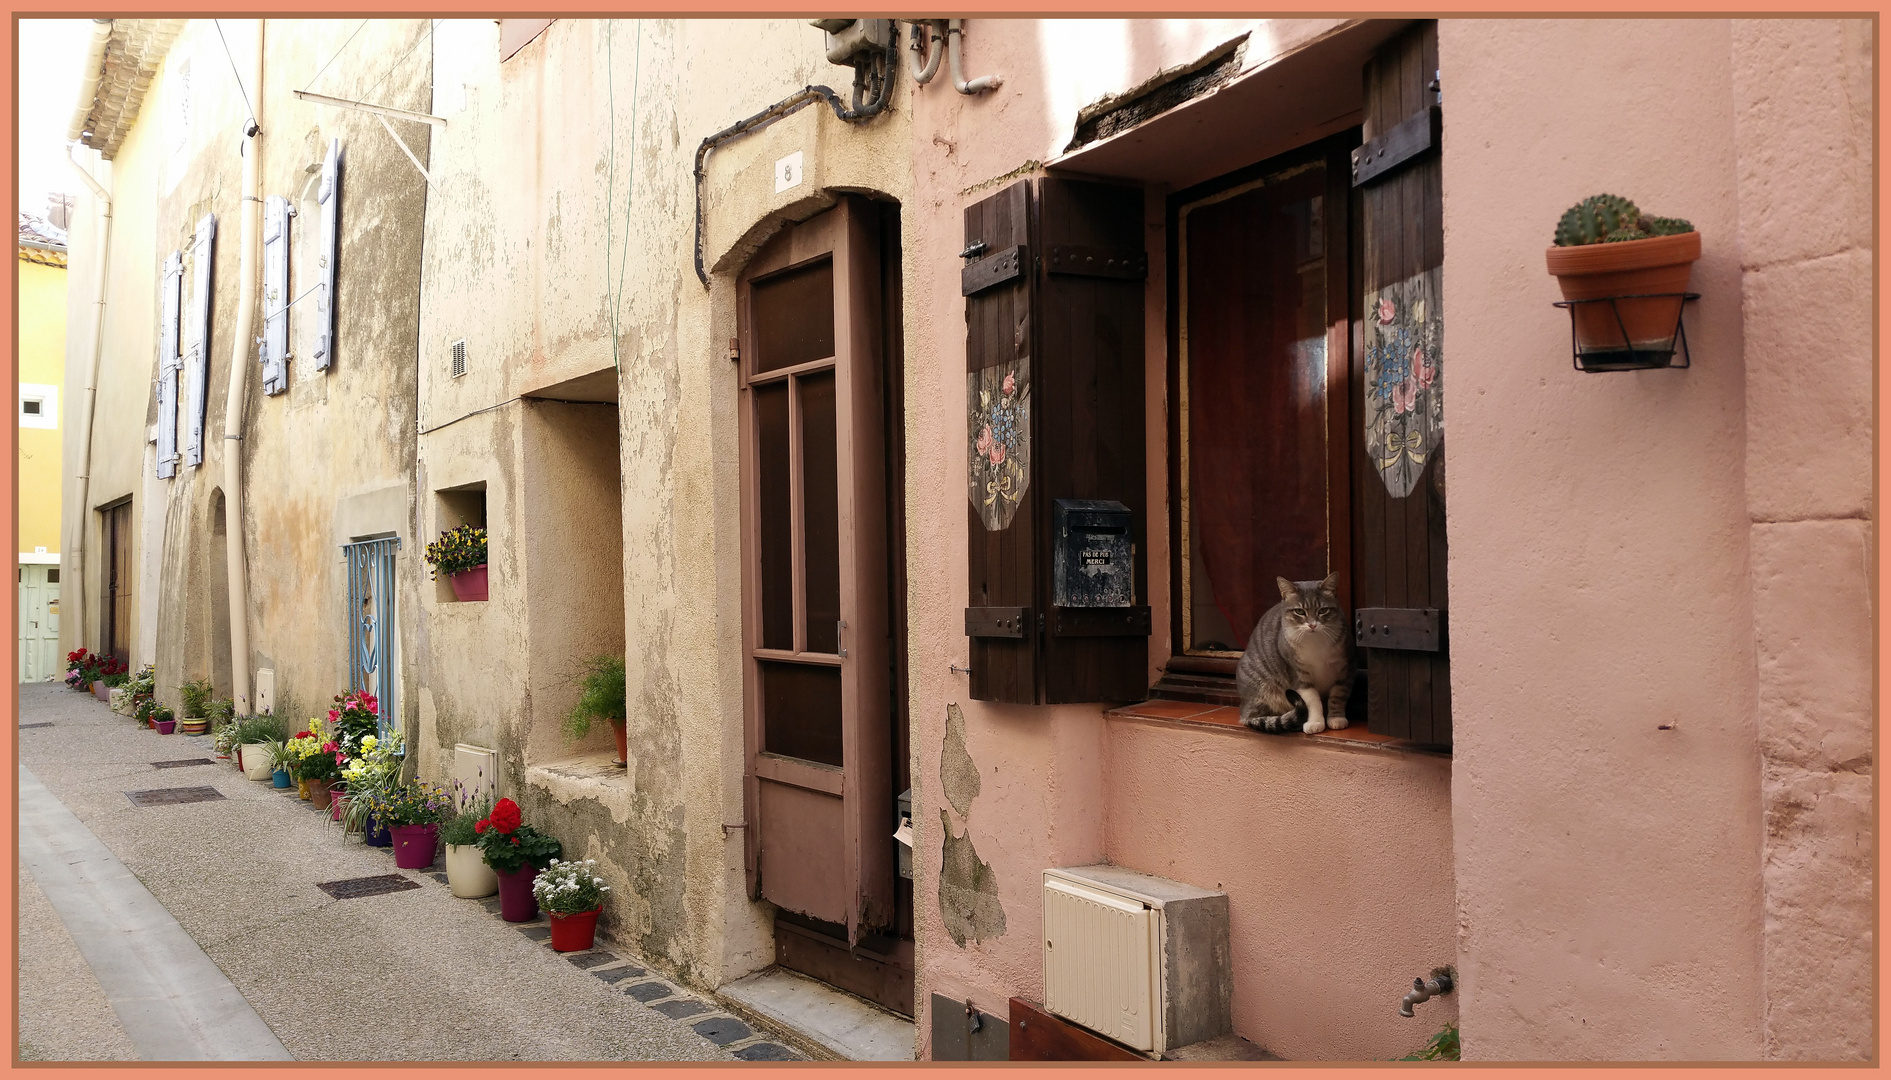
[(1141, 959)]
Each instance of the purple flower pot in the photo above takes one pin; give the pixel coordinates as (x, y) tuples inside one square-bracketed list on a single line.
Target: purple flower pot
[(415, 845), (165, 727), (516, 902)]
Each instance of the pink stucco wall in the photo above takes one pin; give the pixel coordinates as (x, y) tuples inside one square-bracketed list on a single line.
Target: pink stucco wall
[(1608, 871), (1337, 862)]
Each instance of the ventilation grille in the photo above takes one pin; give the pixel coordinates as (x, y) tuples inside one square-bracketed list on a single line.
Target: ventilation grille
[(182, 763), (459, 358), (1099, 962), (380, 884), (173, 796)]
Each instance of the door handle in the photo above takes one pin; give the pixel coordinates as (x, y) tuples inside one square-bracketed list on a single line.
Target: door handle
[(840, 638)]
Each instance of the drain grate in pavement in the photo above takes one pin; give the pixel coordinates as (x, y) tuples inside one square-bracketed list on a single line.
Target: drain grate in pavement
[(353, 888), (48, 723), (182, 762), (173, 795)]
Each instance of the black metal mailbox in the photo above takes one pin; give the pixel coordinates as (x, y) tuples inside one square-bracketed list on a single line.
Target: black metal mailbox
[(1095, 559)]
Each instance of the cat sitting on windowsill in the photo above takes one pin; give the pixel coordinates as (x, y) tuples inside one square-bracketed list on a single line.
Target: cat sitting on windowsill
[(1297, 671)]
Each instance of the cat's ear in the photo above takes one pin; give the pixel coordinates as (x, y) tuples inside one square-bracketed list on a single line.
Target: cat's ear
[(1330, 586), (1289, 592)]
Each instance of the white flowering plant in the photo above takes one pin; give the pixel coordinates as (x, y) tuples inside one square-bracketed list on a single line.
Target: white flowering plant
[(570, 888)]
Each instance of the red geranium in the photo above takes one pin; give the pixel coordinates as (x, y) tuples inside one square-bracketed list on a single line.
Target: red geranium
[(504, 816), (304, 735)]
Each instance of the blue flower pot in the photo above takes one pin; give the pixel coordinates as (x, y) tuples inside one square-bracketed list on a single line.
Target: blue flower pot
[(280, 778), (376, 836)]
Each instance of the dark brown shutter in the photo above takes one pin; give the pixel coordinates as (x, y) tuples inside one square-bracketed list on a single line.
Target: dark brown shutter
[(1401, 613), (1053, 284)]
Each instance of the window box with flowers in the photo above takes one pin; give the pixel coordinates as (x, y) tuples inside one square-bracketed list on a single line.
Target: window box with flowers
[(460, 554)]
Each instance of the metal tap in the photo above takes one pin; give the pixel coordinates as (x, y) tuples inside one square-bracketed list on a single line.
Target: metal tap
[(1425, 990)]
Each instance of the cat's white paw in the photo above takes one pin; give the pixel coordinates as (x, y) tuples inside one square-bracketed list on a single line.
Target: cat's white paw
[(1338, 722), (1313, 727)]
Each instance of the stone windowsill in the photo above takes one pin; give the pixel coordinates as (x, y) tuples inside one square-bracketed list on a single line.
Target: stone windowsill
[(1228, 718), (581, 776)]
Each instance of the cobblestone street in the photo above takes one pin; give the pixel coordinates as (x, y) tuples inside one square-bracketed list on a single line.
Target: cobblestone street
[(292, 972)]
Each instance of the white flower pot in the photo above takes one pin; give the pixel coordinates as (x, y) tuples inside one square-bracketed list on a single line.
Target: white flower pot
[(121, 701), (467, 873), (254, 760)]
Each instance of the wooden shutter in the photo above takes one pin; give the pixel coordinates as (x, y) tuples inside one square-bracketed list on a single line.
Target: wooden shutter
[(1054, 301), (329, 197), (197, 366), (1398, 386), (275, 294), (170, 294)]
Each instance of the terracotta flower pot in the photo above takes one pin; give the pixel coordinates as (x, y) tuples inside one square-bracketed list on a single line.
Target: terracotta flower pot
[(318, 794), (576, 932), (1660, 264), (469, 584), (516, 902), (415, 845), (618, 728), (467, 873)]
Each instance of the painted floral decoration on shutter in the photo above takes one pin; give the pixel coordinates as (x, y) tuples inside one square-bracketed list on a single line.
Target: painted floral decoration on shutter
[(1404, 379), (998, 403)]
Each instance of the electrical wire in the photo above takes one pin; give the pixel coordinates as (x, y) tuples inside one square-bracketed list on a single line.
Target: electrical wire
[(337, 56), (218, 23), (428, 36)]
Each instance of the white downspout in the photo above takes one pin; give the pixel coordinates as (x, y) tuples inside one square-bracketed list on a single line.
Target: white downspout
[(242, 335), (75, 541)]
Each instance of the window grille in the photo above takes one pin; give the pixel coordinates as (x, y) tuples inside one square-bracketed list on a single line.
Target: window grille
[(372, 630), (459, 358)]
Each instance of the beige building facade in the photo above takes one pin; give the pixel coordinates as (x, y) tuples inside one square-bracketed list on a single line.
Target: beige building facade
[(820, 407)]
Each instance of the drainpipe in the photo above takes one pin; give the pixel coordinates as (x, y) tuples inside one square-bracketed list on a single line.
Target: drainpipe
[(75, 543), (241, 336), (955, 30)]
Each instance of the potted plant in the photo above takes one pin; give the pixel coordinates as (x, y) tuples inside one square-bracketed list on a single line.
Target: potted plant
[(600, 697), (369, 777), (413, 812), (163, 719), (515, 852), (1607, 250), (109, 673), (196, 696), (466, 871), (252, 736), (355, 716), (460, 554), (320, 769), (222, 711), (82, 669), (140, 688), (573, 894), (280, 758)]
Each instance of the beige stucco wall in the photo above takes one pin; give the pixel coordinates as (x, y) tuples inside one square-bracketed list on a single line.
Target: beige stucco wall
[(1804, 136), (533, 222)]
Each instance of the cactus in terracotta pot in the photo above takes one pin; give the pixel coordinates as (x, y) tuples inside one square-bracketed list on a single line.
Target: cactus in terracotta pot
[(1611, 219)]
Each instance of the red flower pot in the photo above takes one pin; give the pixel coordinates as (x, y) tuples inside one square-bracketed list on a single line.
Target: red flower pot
[(516, 902), (574, 933), (165, 727), (623, 746), (469, 584), (318, 794), (414, 847)]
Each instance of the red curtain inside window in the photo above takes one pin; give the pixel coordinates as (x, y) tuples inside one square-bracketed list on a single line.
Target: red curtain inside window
[(1255, 354)]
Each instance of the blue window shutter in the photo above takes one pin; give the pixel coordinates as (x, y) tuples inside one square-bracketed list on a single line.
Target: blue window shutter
[(197, 364), (170, 295), (275, 294), (324, 297)]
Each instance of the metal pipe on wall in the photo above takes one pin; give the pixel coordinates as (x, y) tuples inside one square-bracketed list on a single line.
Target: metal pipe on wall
[(75, 541), (955, 32), (241, 335)]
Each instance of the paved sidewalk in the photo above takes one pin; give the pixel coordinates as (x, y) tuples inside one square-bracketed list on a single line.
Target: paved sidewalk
[(415, 975)]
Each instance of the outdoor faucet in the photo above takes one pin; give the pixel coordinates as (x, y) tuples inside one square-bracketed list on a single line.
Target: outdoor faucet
[(1425, 990)]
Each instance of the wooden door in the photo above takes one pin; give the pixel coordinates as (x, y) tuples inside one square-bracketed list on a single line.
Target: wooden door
[(115, 640), (1398, 396), (817, 687), (39, 623)]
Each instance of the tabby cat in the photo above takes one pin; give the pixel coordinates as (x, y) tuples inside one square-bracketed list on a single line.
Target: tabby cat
[(1300, 650)]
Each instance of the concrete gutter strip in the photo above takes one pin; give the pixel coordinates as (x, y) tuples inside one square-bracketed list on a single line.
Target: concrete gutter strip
[(175, 1003)]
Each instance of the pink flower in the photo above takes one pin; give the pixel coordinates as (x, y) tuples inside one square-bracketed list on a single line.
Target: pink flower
[(1386, 311), (983, 446), (1011, 384), (997, 453), (1403, 396), (1422, 367)]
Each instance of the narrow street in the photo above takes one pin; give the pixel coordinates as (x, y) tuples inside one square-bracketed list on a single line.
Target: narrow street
[(196, 931)]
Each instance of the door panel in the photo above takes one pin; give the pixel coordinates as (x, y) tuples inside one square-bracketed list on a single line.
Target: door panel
[(39, 623), (817, 683), (116, 639)]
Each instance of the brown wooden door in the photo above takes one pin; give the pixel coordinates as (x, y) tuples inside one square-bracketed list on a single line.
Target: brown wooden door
[(817, 688), (115, 638), (1398, 395)]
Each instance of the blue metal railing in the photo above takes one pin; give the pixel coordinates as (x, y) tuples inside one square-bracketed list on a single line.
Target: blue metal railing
[(372, 630)]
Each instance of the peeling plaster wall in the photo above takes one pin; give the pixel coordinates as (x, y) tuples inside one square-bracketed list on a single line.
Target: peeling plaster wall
[(564, 171), (1804, 139)]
